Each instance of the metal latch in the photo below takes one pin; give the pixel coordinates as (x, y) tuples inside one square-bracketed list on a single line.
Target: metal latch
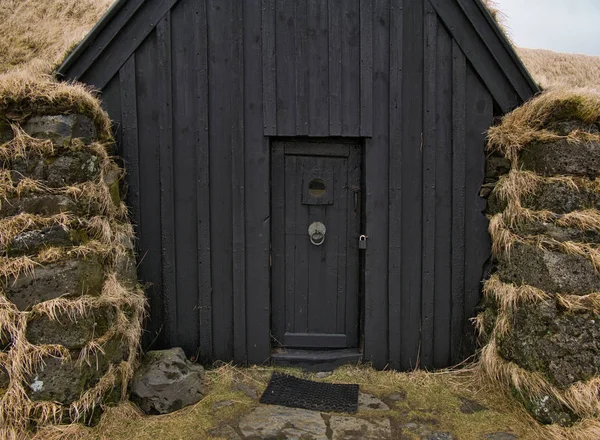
[(362, 242)]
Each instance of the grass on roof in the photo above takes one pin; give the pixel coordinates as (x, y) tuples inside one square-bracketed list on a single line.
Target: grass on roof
[(36, 34)]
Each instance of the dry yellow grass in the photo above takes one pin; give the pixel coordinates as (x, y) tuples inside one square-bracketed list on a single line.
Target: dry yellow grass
[(553, 69), (36, 34)]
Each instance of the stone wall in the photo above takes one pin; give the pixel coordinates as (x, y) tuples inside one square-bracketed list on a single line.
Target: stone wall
[(541, 321), (70, 307)]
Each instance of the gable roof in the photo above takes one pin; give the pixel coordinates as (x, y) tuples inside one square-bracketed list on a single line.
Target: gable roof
[(469, 22)]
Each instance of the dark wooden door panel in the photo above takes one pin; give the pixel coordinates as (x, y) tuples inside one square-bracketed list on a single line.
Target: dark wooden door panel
[(315, 287)]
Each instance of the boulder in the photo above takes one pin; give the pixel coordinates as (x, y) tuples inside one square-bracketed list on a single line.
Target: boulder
[(561, 157), (58, 171), (564, 346), (166, 381), (71, 334), (64, 381), (61, 129), (551, 271), (71, 277)]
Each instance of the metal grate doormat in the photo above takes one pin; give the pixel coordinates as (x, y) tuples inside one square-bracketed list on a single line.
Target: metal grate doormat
[(317, 396)]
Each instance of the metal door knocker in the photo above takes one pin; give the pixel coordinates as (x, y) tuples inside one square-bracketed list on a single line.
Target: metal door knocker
[(316, 232)]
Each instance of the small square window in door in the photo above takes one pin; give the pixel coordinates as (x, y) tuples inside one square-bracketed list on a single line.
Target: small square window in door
[(317, 188)]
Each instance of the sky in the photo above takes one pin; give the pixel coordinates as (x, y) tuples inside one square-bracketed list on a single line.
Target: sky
[(560, 25)]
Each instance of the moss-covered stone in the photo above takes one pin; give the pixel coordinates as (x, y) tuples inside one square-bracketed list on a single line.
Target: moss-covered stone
[(58, 171), (557, 197), (6, 133), (559, 233), (561, 198), (67, 278), (31, 242), (547, 409), (562, 157), (71, 334), (496, 166), (64, 381), (551, 271), (41, 204), (61, 129), (562, 345), (4, 378)]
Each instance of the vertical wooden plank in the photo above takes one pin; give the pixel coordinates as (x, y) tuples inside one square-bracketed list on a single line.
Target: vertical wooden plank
[(285, 28), (236, 104), (278, 243), (318, 65), (257, 191), (129, 140), (167, 197), (352, 281), (184, 179), (200, 35), (377, 186), (222, 128), (149, 243), (395, 196), (429, 188), (443, 197), (269, 62), (111, 102), (366, 68), (479, 112), (301, 67), (459, 92), (412, 183), (351, 68), (334, 13)]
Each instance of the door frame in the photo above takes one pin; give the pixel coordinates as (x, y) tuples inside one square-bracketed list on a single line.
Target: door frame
[(278, 173)]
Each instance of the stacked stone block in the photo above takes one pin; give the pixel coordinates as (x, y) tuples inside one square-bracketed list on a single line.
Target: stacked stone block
[(70, 307), (541, 321)]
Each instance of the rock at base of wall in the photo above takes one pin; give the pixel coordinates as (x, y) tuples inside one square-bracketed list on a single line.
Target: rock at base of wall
[(64, 381), (562, 157), (71, 277), (551, 271), (564, 346), (166, 381), (71, 334), (56, 172), (61, 129)]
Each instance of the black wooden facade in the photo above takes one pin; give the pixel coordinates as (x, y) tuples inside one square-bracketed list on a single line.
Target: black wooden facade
[(213, 102)]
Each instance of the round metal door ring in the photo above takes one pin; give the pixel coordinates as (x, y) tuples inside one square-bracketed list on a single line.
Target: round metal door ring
[(316, 232)]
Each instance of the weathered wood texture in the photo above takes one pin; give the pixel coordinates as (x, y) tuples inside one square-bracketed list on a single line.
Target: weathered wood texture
[(199, 91)]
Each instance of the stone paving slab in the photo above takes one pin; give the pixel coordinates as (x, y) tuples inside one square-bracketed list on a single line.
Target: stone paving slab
[(272, 422)]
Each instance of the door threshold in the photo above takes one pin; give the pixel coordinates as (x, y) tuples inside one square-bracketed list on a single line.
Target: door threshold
[(315, 360)]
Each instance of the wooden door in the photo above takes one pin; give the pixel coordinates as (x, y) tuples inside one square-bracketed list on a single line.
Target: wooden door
[(315, 278)]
